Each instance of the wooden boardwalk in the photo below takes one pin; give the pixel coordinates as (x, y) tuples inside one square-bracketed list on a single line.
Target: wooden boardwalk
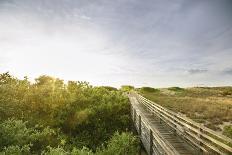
[(163, 133)]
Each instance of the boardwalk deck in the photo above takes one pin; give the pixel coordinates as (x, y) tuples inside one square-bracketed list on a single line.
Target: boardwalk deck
[(165, 132)]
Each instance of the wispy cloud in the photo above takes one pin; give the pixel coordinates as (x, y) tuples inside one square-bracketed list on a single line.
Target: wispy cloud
[(228, 71), (114, 42), (197, 71)]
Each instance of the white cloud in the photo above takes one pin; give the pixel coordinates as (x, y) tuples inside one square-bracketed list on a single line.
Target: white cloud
[(118, 42)]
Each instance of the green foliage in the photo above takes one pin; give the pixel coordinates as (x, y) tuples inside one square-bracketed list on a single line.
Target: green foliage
[(202, 104), (148, 89), (62, 116), (176, 89), (55, 151), (16, 150), (110, 88), (227, 131), (62, 151), (104, 113), (17, 133), (121, 144), (227, 92), (126, 88), (83, 151)]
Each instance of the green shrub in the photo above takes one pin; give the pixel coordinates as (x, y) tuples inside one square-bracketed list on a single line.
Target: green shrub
[(226, 93), (127, 88), (176, 89), (14, 132), (227, 131), (55, 151), (17, 133), (16, 150), (121, 144), (52, 113), (83, 151), (110, 88), (148, 89)]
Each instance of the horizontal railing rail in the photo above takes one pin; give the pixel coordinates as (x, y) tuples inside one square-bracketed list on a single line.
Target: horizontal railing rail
[(205, 139), (163, 143)]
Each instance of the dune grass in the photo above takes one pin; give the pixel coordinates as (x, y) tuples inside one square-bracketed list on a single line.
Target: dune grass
[(211, 106)]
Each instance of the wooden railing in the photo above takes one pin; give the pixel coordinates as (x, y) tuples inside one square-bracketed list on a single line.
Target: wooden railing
[(205, 139), (153, 142)]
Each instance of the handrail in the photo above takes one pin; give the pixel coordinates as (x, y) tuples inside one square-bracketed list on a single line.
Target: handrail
[(205, 138), (167, 147), (192, 122)]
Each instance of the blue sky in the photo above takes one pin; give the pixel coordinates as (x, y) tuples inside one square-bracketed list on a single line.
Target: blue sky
[(157, 43)]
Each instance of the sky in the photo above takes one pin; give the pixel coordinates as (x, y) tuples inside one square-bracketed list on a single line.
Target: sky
[(157, 43)]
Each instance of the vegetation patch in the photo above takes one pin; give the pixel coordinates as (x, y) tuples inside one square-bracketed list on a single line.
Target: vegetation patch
[(227, 130), (149, 89), (176, 89), (53, 117), (110, 88), (204, 105), (127, 88)]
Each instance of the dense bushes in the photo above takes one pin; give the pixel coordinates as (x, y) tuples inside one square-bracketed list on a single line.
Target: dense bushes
[(119, 144), (123, 144), (228, 131), (176, 89), (17, 136), (148, 89), (126, 88), (63, 116)]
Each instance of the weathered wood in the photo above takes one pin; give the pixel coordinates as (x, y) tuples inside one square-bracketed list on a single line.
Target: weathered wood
[(140, 125), (191, 122), (162, 144), (151, 142), (200, 136), (134, 115)]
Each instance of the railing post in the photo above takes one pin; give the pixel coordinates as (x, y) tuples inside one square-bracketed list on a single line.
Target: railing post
[(200, 151), (134, 116), (151, 143), (140, 135), (140, 130), (175, 127), (131, 110), (160, 120)]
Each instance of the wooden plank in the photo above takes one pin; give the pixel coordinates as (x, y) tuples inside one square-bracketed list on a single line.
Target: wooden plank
[(162, 142), (151, 142), (175, 121), (191, 122), (139, 125)]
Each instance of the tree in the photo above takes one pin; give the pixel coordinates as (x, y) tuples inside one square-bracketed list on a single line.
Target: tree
[(62, 116), (127, 88), (148, 89)]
